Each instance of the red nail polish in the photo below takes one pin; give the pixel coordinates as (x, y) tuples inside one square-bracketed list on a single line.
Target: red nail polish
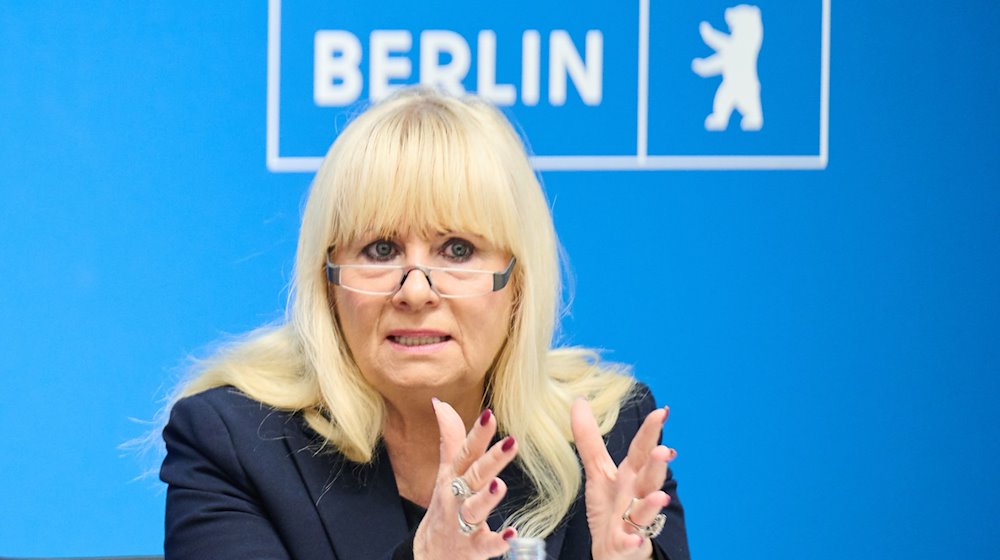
[(493, 487), (507, 444), (507, 534), (484, 418)]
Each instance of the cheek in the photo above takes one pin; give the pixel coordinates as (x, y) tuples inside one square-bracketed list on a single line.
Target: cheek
[(492, 323), (356, 320)]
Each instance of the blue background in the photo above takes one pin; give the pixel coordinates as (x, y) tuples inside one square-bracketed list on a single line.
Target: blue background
[(828, 340)]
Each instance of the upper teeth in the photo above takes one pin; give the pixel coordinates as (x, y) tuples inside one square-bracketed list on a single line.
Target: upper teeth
[(418, 340)]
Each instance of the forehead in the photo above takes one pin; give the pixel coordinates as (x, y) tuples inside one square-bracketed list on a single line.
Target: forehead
[(431, 229)]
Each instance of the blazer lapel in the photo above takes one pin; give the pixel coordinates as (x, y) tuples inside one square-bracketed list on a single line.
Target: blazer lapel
[(554, 542), (359, 505)]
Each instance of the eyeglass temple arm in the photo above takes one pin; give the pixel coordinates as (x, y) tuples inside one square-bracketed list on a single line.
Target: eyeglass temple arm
[(500, 279), (332, 273)]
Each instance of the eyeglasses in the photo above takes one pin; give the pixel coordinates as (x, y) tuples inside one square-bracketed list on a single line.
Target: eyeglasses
[(387, 279)]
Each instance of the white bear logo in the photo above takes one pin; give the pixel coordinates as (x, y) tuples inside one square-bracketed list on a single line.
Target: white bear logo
[(736, 59)]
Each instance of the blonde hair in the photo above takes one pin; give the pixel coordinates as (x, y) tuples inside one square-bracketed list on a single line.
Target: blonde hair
[(426, 160)]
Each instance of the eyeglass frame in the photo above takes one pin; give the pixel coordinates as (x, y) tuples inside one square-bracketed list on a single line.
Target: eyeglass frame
[(500, 279)]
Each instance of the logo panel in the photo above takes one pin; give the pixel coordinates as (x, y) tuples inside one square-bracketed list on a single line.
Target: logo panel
[(594, 86)]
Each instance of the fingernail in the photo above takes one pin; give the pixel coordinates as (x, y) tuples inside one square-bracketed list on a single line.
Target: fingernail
[(494, 486), (435, 400), (484, 418), (507, 534), (673, 453), (666, 414), (507, 444)]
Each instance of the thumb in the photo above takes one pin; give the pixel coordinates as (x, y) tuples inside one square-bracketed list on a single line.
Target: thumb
[(452, 431), (589, 443)]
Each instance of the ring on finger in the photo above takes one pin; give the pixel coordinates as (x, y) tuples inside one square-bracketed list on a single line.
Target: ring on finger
[(460, 488), (650, 531), (464, 526)]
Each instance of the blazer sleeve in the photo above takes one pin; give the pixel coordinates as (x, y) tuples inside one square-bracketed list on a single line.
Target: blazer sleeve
[(213, 510)]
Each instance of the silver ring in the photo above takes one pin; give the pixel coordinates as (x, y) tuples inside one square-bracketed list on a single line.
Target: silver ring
[(464, 526), (460, 488), (650, 531)]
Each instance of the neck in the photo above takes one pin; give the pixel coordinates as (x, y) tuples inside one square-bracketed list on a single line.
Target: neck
[(413, 442), (412, 419)]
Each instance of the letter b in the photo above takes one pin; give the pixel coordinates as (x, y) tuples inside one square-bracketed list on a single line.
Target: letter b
[(336, 68)]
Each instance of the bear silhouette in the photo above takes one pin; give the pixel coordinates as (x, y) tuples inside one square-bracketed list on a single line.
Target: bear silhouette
[(736, 59)]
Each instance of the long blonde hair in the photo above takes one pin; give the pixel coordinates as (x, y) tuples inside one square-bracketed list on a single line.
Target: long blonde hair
[(425, 159)]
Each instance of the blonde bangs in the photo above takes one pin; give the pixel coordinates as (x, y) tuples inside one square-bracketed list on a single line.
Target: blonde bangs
[(423, 167)]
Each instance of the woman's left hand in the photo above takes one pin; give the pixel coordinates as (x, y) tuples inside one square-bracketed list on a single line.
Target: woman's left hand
[(634, 485)]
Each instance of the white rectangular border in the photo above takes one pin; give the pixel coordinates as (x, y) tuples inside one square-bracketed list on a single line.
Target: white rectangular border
[(640, 161)]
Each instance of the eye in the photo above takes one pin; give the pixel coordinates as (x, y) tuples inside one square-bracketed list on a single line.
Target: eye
[(380, 250), (458, 250)]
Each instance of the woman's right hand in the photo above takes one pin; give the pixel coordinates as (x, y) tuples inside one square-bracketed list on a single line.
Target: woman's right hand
[(469, 456)]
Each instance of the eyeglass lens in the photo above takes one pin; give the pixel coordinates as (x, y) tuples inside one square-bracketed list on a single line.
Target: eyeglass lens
[(446, 281)]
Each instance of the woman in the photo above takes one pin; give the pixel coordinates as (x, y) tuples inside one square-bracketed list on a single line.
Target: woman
[(425, 296)]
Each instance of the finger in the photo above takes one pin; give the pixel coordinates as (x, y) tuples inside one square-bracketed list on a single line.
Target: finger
[(625, 541), (589, 443), (488, 466), (452, 431), (476, 509), (645, 509), (476, 441), (654, 470), (493, 544), (646, 438)]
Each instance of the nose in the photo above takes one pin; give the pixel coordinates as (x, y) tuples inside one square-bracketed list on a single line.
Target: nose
[(416, 290)]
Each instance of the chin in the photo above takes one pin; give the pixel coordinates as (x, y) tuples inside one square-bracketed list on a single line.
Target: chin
[(431, 378)]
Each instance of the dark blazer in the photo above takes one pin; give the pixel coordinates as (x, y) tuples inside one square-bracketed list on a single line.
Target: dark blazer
[(247, 481)]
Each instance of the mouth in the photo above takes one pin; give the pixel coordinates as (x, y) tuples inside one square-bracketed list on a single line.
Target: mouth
[(417, 341)]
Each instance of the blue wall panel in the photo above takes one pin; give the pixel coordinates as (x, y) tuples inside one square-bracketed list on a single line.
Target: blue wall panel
[(828, 340)]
